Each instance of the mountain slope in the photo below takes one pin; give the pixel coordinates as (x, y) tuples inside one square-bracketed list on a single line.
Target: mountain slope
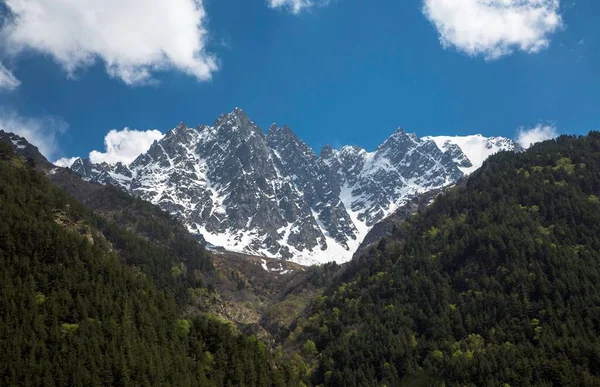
[(156, 244), (74, 313), (389, 225), (375, 184), (476, 148), (494, 284), (271, 194)]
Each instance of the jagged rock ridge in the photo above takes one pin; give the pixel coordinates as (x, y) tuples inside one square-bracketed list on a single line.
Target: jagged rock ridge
[(270, 194)]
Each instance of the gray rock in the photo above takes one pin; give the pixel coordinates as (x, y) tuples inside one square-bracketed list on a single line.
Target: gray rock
[(271, 194)]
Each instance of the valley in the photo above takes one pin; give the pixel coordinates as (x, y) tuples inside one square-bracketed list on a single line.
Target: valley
[(462, 285)]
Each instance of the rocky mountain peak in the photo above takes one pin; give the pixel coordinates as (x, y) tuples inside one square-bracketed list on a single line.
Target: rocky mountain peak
[(181, 126), (236, 120), (278, 133), (399, 139), (272, 194), (326, 152), (283, 139), (24, 148), (469, 152)]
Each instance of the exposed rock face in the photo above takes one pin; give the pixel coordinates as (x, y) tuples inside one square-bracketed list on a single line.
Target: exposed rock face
[(271, 194), (315, 181), (385, 228), (24, 148), (114, 174), (469, 152), (375, 183)]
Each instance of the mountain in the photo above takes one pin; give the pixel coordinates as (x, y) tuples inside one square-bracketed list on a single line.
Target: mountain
[(88, 301), (154, 242), (375, 183), (104, 173), (22, 147), (494, 284), (469, 152), (390, 224), (272, 195)]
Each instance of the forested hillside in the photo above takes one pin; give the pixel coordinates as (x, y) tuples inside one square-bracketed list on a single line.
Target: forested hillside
[(86, 302), (235, 288), (495, 284)]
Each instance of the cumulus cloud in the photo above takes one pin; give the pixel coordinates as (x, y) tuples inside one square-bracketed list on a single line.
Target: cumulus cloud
[(296, 6), (494, 28), (528, 137), (125, 145), (7, 80), (133, 38), (43, 132)]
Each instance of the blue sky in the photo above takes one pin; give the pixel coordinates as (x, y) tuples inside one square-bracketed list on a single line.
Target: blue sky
[(345, 72)]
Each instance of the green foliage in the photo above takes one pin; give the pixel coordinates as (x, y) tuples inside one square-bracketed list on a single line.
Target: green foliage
[(6, 151), (182, 327), (152, 242), (510, 298), (176, 271), (566, 164), (69, 329), (87, 302), (40, 298), (309, 349)]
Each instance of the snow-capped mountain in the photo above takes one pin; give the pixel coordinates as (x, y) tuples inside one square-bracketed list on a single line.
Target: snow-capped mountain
[(116, 174), (272, 195), (375, 183), (476, 148)]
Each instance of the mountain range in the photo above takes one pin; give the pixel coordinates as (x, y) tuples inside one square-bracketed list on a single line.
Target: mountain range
[(492, 284), (240, 189)]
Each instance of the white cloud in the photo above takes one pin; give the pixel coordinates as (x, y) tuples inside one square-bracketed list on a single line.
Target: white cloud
[(296, 6), (125, 145), (494, 28), (528, 137), (133, 38), (7, 80), (65, 162), (42, 132)]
